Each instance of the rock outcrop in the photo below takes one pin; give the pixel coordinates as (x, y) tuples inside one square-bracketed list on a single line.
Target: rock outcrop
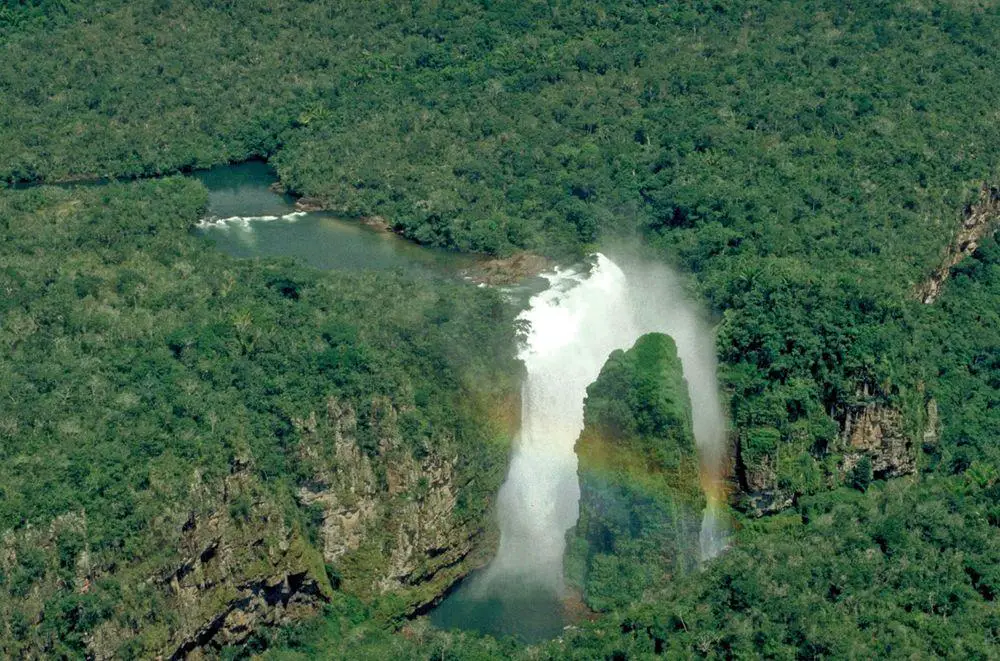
[(889, 437), (227, 565), (234, 556), (640, 494), (508, 270), (391, 520), (885, 435), (979, 220), (877, 432), (242, 568), (308, 204), (758, 454)]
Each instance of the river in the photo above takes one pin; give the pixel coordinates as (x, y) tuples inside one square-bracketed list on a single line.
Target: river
[(248, 219)]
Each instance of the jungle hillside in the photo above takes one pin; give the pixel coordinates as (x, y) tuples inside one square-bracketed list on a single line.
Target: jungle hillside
[(186, 439)]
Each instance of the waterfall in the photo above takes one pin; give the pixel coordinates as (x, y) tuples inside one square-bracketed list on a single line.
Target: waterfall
[(573, 326)]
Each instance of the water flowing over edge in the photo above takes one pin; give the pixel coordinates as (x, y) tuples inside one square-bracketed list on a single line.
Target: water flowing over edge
[(574, 325), (662, 305)]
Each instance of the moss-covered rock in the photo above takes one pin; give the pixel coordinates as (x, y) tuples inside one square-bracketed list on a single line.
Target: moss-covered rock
[(640, 497)]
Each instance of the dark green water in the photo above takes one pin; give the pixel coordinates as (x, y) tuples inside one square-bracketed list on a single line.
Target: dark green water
[(268, 229), (523, 610)]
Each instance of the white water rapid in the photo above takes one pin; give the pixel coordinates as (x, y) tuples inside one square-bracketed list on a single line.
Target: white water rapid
[(574, 325), (243, 222)]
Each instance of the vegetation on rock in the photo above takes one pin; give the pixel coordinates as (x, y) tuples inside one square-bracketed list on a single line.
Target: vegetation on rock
[(640, 497), (154, 442)]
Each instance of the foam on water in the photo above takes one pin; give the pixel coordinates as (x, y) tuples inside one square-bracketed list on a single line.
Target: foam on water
[(244, 222), (574, 324)]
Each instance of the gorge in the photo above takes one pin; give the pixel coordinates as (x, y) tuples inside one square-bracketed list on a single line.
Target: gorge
[(257, 404), (583, 314)]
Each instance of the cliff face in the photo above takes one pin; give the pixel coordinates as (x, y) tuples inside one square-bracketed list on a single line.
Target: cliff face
[(760, 492), (235, 556), (887, 438), (242, 568), (219, 566), (877, 432), (392, 522), (978, 221), (640, 497)]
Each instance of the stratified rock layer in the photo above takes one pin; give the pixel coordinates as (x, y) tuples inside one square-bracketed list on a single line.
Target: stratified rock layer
[(236, 555), (390, 520)]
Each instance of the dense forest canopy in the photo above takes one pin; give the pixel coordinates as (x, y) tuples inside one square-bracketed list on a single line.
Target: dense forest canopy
[(809, 164), (807, 161), (141, 363)]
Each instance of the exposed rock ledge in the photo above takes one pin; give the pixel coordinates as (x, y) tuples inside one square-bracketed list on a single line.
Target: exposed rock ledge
[(979, 220), (391, 522), (876, 431), (377, 223), (221, 563), (508, 270), (232, 556), (309, 204)]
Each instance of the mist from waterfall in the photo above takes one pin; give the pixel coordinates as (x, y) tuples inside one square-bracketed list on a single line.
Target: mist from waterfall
[(660, 304), (574, 325)]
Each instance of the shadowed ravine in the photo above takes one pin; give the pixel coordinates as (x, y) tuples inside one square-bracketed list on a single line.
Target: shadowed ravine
[(575, 324)]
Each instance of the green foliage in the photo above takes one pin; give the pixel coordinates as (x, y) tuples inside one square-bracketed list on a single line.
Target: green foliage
[(730, 132), (16, 15), (888, 574), (758, 444), (805, 161), (640, 402), (861, 475), (905, 568), (139, 361), (640, 499), (892, 573), (962, 338)]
